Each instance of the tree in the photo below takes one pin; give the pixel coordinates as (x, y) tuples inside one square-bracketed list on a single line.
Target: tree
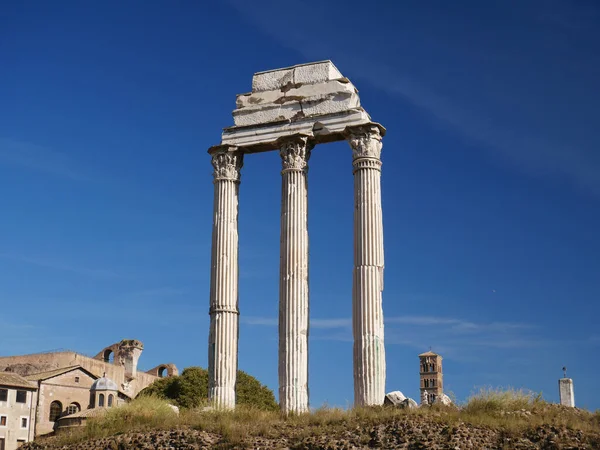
[(190, 390)]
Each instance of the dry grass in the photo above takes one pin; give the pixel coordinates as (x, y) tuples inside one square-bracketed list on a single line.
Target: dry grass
[(510, 410)]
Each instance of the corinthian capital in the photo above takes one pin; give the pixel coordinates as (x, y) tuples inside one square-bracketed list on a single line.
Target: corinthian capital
[(295, 152), (227, 162), (365, 141)]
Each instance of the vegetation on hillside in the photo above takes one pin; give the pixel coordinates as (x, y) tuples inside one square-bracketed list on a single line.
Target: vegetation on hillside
[(190, 390), (506, 415)]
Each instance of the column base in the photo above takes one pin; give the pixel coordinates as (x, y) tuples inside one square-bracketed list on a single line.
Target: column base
[(222, 397), (299, 399)]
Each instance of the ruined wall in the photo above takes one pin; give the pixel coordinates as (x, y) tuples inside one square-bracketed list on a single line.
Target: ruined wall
[(164, 370), (63, 388), (43, 362)]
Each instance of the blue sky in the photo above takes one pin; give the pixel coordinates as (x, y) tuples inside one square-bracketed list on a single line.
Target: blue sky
[(491, 184)]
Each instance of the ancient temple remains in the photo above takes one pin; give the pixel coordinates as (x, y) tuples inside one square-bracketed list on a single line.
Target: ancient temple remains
[(291, 110)]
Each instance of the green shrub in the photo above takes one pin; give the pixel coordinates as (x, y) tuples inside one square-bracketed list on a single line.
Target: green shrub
[(190, 390)]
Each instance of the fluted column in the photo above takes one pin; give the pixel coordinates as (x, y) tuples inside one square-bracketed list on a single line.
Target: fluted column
[(224, 314), (293, 275), (367, 312)]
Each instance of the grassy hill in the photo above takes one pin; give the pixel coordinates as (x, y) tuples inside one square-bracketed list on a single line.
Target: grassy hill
[(490, 420)]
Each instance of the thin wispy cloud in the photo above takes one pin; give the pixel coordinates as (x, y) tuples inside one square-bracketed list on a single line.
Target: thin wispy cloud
[(445, 332), (30, 156), (56, 264), (545, 155)]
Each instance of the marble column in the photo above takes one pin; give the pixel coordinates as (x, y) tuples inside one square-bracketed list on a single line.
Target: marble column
[(367, 312), (293, 275), (224, 314)]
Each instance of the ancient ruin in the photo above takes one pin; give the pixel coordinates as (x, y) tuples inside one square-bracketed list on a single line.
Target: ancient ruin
[(291, 110)]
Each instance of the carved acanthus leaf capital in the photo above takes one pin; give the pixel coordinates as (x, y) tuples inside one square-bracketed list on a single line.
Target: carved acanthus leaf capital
[(227, 162), (295, 152), (365, 141)]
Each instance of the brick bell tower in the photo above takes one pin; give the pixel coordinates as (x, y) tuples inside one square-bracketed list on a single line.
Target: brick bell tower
[(431, 377)]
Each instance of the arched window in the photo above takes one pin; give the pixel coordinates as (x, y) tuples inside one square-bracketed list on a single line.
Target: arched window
[(101, 400), (73, 408), (55, 410), (110, 400), (108, 356), (163, 371)]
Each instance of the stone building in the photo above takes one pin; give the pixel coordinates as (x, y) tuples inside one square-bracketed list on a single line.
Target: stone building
[(18, 399), (61, 391), (103, 394), (64, 378), (431, 377)]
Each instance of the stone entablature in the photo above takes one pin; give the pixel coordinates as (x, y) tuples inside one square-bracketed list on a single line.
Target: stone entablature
[(312, 99), (291, 110)]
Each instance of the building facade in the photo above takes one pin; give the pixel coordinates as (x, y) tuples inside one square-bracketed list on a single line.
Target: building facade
[(63, 379), (60, 392), (431, 377), (18, 400)]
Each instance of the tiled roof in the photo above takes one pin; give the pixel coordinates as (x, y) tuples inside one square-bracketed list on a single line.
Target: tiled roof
[(92, 412), (429, 353), (10, 379), (56, 372)]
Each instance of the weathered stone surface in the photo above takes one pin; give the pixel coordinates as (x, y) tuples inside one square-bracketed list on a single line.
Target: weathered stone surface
[(394, 398), (224, 312), (323, 129), (315, 72), (443, 399), (367, 311), (298, 102), (410, 403), (293, 276), (312, 99), (566, 392)]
